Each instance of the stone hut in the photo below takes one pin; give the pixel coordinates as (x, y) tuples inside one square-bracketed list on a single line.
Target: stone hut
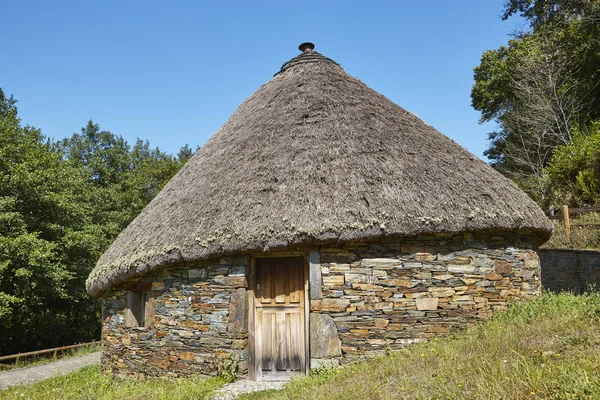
[(320, 224)]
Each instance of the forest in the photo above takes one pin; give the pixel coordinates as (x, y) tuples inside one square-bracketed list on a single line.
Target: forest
[(62, 202), (61, 205)]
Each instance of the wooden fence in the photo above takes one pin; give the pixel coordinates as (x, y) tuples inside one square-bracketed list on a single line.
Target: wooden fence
[(566, 217), (47, 351)]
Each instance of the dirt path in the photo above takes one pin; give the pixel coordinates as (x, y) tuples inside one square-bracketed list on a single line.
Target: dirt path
[(40, 372)]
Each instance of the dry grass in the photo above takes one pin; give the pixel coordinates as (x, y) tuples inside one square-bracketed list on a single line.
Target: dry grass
[(548, 348), (583, 236)]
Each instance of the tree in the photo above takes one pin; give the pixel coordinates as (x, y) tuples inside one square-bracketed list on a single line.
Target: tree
[(43, 228), (575, 168), (61, 205), (123, 178), (540, 87)]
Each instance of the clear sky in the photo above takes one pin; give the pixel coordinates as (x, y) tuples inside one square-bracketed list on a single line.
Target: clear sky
[(173, 71)]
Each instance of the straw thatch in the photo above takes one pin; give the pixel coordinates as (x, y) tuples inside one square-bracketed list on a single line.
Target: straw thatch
[(315, 155)]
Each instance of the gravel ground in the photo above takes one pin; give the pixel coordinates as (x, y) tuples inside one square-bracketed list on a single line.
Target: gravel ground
[(232, 390)]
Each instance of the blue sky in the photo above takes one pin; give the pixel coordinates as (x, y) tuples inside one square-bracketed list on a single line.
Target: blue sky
[(173, 71)]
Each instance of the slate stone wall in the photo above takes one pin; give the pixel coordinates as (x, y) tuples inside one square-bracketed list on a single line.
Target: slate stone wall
[(390, 294), (375, 296), (570, 270), (200, 323)]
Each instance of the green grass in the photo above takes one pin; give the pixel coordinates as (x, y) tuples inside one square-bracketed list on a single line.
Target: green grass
[(546, 348), (88, 383), (24, 362)]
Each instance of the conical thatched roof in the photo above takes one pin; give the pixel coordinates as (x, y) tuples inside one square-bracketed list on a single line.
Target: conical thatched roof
[(315, 155)]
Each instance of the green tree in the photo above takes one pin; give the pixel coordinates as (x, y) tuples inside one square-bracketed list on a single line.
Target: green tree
[(42, 226), (61, 205), (540, 87), (123, 178), (575, 168)]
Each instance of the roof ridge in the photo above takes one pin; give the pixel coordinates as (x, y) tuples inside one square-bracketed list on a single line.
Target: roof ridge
[(305, 58)]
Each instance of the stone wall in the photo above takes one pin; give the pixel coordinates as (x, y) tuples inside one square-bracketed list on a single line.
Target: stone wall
[(200, 322), (390, 294), (374, 297), (570, 270)]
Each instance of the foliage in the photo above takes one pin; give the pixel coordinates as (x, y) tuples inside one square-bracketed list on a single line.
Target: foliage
[(42, 228), (545, 348), (123, 179), (575, 168), (540, 88), (541, 12), (89, 383), (61, 205)]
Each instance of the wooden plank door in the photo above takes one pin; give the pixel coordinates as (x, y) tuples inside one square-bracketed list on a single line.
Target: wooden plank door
[(280, 349)]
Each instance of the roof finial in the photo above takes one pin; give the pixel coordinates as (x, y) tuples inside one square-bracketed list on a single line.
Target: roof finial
[(306, 47)]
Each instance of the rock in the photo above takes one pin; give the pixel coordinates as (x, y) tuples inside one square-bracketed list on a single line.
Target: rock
[(442, 291), (380, 262), (493, 277), (324, 340), (333, 280), (429, 303), (502, 267), (238, 311), (329, 305), (239, 281), (424, 257), (381, 322), (339, 268), (393, 282), (438, 329), (351, 278), (187, 356), (197, 273), (461, 269)]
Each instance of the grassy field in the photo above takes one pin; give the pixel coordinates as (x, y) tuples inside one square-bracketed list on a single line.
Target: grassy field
[(89, 384), (546, 348)]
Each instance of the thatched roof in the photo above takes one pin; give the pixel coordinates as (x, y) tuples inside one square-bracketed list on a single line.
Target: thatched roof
[(315, 155)]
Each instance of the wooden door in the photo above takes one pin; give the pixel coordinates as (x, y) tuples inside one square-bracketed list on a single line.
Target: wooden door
[(280, 349)]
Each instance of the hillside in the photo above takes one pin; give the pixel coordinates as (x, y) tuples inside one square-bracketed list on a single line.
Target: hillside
[(546, 348)]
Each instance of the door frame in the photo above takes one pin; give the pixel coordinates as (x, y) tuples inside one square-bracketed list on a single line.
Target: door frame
[(254, 372)]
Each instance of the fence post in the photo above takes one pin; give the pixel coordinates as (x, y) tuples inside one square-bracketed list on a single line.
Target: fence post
[(567, 223)]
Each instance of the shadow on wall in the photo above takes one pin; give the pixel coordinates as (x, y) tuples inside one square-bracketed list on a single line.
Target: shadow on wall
[(570, 270)]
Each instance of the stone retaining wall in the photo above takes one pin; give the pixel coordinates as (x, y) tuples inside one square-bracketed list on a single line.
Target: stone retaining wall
[(570, 270), (374, 297)]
